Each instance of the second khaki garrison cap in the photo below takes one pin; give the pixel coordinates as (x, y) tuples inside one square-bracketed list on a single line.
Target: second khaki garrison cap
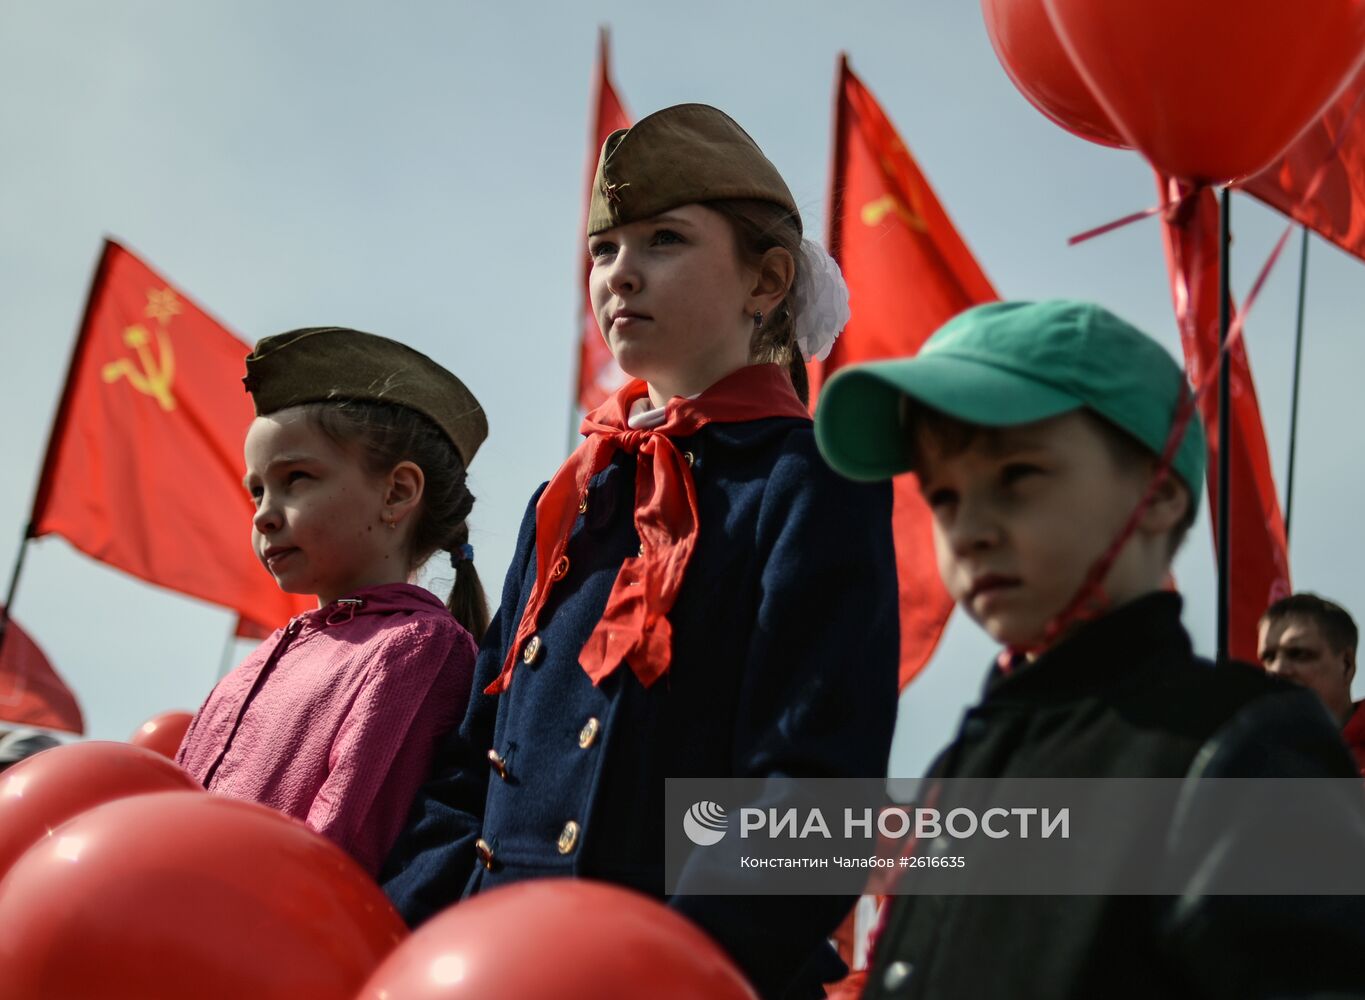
[(325, 363)]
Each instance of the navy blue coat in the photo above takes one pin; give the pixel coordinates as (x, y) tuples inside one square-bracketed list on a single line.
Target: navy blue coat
[(785, 658)]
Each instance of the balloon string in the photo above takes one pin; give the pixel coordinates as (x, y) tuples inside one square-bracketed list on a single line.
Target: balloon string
[(1172, 209), (1092, 589), (1090, 598), (1127, 220), (1090, 595)]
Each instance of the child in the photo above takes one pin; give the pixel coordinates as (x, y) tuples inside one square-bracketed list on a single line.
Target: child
[(1035, 431), (694, 593), (356, 464)]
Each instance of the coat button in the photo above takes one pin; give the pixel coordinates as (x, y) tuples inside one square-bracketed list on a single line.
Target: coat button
[(531, 653), (568, 837), (560, 568), (897, 975), (583, 505), (587, 736), (691, 458), (485, 852), (499, 764)]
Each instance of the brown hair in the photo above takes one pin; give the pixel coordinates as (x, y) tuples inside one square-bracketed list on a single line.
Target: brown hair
[(1335, 622), (387, 434), (950, 436), (759, 226)]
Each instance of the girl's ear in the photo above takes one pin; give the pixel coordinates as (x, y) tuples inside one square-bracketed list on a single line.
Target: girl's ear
[(773, 281), (404, 490)]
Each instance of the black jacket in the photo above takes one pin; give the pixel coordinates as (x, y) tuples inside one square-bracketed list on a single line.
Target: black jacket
[(1125, 697)]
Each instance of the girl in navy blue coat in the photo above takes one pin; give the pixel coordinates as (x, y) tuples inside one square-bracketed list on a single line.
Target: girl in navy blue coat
[(694, 593)]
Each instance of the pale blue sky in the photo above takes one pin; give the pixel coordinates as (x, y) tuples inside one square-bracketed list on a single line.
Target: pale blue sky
[(415, 169)]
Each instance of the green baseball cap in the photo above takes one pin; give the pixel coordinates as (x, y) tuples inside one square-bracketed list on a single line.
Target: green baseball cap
[(1004, 364)]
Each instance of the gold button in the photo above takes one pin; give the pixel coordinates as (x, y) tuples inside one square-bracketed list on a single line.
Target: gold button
[(532, 651), (485, 852), (561, 568), (691, 458), (568, 837), (642, 548), (499, 764), (583, 506), (587, 736)]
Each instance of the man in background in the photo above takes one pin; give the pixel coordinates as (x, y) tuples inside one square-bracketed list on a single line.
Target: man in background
[(1312, 642)]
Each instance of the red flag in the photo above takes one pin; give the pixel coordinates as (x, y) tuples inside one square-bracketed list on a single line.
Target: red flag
[(598, 374), (1334, 147), (908, 272), (144, 468), (248, 629), (1258, 564), (31, 692)]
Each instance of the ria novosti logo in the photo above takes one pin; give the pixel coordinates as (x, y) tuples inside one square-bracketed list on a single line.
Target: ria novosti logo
[(704, 823)]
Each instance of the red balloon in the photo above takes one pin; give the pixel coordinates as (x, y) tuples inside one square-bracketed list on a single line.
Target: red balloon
[(1212, 90), (49, 788), (1036, 63), (190, 895), (162, 733), (558, 939)]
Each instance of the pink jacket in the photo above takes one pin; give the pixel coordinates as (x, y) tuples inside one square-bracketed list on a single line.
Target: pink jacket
[(335, 718)]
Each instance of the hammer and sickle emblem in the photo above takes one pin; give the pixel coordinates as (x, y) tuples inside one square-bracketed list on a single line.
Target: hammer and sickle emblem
[(152, 373), (878, 209)]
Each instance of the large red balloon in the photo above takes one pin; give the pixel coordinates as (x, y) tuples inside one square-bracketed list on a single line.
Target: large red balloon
[(163, 733), (47, 789), (1212, 90), (190, 895), (1033, 57), (558, 939)]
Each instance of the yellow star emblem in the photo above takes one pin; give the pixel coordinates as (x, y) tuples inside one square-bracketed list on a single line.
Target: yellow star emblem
[(162, 305)]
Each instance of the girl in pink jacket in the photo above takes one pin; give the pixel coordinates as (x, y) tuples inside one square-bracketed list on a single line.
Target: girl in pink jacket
[(356, 464)]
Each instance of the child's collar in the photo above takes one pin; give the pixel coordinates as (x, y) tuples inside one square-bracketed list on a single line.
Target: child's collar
[(1096, 651), (383, 598)]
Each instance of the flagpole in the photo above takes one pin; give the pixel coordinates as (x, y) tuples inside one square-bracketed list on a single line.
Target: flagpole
[(1224, 418), (44, 486), (599, 80), (1294, 403), (13, 586)]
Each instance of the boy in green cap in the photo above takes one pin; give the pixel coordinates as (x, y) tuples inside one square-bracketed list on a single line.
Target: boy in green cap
[(1057, 449)]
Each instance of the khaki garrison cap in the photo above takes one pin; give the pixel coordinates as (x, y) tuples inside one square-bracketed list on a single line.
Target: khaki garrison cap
[(324, 363), (677, 156)]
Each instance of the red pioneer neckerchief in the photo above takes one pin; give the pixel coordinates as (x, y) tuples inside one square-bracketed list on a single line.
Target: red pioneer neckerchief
[(634, 626)]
